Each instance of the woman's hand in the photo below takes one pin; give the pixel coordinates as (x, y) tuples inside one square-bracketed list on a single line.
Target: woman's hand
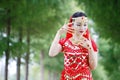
[(55, 46), (65, 28), (86, 43)]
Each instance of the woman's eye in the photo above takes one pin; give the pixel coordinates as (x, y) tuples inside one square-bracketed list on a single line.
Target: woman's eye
[(72, 23), (79, 24), (73, 20), (85, 24)]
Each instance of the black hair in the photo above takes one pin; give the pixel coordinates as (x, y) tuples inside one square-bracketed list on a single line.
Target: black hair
[(78, 14)]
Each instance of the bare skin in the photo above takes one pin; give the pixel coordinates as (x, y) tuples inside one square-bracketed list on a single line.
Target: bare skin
[(56, 48)]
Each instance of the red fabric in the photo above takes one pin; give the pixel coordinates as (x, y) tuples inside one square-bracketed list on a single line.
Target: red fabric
[(75, 58), (94, 45), (68, 35), (87, 34), (75, 61), (62, 41)]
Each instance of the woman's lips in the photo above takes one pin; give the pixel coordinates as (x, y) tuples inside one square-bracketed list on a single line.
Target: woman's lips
[(81, 31)]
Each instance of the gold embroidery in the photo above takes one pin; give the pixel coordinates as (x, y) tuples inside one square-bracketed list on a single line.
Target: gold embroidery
[(71, 77)]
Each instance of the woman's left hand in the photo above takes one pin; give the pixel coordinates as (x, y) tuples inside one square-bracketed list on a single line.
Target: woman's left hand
[(86, 43)]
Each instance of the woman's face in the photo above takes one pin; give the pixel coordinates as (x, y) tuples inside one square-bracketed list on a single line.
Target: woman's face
[(80, 24)]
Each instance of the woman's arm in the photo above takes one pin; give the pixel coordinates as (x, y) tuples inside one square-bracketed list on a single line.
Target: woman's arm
[(93, 58), (55, 46)]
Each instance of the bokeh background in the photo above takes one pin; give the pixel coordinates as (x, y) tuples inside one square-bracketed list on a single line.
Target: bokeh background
[(27, 28)]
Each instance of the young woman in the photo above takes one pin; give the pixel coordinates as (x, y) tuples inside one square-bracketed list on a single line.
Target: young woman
[(80, 51)]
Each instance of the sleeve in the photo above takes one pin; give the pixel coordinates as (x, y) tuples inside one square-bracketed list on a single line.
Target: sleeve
[(94, 45), (61, 42)]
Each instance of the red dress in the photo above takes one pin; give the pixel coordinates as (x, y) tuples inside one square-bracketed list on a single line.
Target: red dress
[(76, 65)]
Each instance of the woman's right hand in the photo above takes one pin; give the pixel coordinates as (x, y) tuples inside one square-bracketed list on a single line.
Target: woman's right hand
[(65, 28)]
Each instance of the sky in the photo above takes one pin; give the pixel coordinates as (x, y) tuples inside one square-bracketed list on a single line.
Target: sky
[(11, 67)]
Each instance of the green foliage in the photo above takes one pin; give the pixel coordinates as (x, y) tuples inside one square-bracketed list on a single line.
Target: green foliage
[(2, 45), (109, 52), (115, 75), (105, 14), (17, 49), (99, 73), (55, 63)]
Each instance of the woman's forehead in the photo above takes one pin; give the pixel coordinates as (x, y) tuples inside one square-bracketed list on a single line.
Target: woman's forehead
[(79, 19)]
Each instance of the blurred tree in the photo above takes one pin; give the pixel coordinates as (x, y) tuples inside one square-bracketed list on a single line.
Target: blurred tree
[(105, 14), (100, 73), (7, 51), (109, 52)]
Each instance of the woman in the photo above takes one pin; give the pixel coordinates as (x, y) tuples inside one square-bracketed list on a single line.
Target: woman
[(80, 51)]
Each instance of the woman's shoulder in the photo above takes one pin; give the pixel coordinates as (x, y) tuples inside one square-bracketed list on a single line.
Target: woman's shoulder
[(62, 41)]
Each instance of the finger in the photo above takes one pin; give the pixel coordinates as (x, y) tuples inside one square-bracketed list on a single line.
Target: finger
[(70, 28), (69, 24), (70, 31)]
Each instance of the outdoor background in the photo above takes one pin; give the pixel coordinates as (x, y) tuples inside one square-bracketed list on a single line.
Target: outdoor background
[(27, 28)]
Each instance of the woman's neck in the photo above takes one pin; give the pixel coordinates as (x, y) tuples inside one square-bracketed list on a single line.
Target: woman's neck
[(76, 36), (75, 39)]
